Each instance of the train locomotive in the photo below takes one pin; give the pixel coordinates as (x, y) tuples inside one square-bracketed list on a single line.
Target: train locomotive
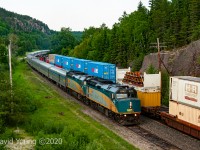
[(114, 100)]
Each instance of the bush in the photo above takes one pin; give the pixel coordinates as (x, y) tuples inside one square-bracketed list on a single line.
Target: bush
[(165, 88), (7, 135), (151, 69), (72, 139)]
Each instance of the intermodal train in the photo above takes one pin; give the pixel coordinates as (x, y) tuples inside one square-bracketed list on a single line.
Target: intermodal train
[(116, 101), (184, 100)]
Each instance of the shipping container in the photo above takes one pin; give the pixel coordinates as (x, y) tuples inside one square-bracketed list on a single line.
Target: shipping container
[(149, 99), (81, 65), (68, 62), (58, 60), (52, 58), (102, 70), (185, 112), (186, 90)]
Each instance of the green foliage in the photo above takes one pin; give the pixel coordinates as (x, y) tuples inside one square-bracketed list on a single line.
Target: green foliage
[(63, 40), (137, 63), (151, 69), (78, 35), (165, 88), (3, 54), (7, 135)]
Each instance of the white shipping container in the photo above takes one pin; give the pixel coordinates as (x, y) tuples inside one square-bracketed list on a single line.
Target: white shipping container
[(51, 58), (152, 80), (186, 90), (184, 112)]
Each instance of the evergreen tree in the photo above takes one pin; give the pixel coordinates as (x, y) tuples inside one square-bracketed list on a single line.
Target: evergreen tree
[(194, 13)]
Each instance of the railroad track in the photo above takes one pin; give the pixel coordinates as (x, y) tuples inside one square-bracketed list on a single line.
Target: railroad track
[(153, 138)]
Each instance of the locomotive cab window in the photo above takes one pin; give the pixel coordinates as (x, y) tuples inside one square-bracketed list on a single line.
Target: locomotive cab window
[(121, 94)]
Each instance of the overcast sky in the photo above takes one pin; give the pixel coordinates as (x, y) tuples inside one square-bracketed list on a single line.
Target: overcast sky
[(76, 14)]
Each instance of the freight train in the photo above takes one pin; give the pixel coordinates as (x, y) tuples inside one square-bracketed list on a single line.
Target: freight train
[(91, 82), (184, 100)]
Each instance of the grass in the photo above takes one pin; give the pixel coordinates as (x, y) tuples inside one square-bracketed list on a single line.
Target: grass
[(58, 117)]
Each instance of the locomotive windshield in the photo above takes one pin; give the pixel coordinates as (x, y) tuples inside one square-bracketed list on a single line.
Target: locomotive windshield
[(121, 94), (126, 93)]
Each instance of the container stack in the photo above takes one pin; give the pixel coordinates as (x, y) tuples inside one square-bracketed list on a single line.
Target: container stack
[(81, 65), (185, 99), (102, 70), (134, 78)]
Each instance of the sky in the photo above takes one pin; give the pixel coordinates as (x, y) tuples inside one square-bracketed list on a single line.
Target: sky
[(75, 14)]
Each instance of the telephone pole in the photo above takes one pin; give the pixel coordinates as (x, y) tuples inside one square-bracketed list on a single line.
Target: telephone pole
[(10, 65), (159, 45), (159, 60), (10, 68)]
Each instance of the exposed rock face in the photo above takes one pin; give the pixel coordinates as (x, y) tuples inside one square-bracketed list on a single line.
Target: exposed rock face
[(24, 23), (182, 61)]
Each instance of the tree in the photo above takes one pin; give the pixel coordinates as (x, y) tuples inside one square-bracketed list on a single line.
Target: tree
[(194, 7), (3, 54), (63, 39)]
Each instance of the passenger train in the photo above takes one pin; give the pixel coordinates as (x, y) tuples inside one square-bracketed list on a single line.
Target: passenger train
[(114, 100)]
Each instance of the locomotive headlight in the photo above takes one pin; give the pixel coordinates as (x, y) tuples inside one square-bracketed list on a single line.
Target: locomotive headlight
[(124, 115), (135, 115), (130, 104)]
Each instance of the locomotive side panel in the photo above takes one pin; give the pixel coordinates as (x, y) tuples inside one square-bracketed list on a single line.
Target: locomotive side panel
[(101, 99), (74, 86)]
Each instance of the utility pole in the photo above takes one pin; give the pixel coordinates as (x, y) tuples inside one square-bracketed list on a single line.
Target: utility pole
[(10, 68), (159, 45), (10, 64)]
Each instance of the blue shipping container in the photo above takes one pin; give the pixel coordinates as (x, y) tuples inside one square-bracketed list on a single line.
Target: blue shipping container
[(68, 62), (81, 65), (58, 60), (102, 70)]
